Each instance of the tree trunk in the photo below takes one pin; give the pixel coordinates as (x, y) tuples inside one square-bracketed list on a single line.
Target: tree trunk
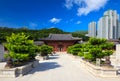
[(9, 63), (107, 61)]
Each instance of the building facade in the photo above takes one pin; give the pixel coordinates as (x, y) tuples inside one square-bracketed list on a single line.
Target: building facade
[(119, 30), (92, 29), (60, 42), (108, 25)]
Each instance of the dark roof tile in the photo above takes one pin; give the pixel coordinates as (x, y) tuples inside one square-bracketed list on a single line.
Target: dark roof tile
[(61, 37)]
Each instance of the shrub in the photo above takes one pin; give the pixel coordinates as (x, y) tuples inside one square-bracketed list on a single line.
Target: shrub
[(75, 49), (107, 46), (88, 56), (97, 41), (93, 49), (81, 54), (20, 47), (45, 50), (108, 52)]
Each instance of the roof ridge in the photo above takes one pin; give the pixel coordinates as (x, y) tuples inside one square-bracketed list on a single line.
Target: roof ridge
[(60, 37)]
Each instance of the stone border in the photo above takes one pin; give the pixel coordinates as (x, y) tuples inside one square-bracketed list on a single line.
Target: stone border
[(99, 71), (96, 70), (18, 71)]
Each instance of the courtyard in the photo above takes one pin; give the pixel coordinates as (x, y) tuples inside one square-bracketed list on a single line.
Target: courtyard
[(59, 67)]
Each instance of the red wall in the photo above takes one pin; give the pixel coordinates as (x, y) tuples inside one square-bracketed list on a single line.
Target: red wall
[(57, 45)]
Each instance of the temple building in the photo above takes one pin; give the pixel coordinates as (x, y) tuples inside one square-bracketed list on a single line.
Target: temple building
[(60, 42)]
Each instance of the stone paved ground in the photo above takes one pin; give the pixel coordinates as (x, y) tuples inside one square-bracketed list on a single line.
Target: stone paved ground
[(59, 68)]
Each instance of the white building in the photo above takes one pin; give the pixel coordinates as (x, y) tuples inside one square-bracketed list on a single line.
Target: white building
[(108, 25), (92, 29), (119, 30)]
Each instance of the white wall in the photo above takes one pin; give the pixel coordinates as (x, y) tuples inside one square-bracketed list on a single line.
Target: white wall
[(118, 55)]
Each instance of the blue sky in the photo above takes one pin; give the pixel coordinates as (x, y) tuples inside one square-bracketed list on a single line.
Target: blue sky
[(68, 15)]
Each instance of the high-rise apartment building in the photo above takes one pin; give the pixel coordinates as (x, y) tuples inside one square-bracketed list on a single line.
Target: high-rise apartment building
[(108, 25), (119, 30), (92, 29), (103, 27)]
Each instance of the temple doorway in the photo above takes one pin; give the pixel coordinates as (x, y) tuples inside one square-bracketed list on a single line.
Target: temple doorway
[(60, 48)]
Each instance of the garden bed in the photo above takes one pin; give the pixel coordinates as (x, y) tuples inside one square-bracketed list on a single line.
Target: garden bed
[(99, 71), (18, 71)]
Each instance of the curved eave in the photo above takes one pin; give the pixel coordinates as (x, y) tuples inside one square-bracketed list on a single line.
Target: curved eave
[(60, 40)]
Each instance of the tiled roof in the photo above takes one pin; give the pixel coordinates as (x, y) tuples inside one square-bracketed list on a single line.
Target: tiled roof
[(60, 37)]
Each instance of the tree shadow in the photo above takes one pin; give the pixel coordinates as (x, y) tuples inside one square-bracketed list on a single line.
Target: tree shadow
[(45, 66)]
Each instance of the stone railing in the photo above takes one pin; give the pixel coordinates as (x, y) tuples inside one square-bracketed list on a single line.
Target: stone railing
[(18, 71), (96, 70)]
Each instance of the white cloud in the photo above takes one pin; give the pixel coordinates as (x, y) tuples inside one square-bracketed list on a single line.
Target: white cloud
[(55, 20), (52, 27), (69, 4), (33, 25), (78, 22), (86, 6)]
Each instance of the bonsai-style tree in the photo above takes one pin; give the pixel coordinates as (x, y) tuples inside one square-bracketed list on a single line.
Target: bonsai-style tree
[(96, 41), (45, 50), (107, 53), (74, 49), (99, 48), (21, 49), (94, 49)]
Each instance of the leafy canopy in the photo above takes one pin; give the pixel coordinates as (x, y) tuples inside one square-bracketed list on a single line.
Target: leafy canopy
[(20, 47), (94, 48)]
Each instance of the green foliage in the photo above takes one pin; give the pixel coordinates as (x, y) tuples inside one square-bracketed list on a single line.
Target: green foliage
[(33, 34), (20, 47), (69, 49), (107, 46), (18, 56), (81, 54), (108, 52), (74, 49), (96, 41), (96, 53), (88, 56), (37, 34), (93, 49), (81, 34), (45, 50)]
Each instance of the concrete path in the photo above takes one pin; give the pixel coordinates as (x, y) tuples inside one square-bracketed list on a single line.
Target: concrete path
[(59, 68)]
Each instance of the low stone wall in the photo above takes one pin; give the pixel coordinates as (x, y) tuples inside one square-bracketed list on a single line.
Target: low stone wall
[(96, 70), (108, 72), (18, 71), (8, 72), (99, 71)]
